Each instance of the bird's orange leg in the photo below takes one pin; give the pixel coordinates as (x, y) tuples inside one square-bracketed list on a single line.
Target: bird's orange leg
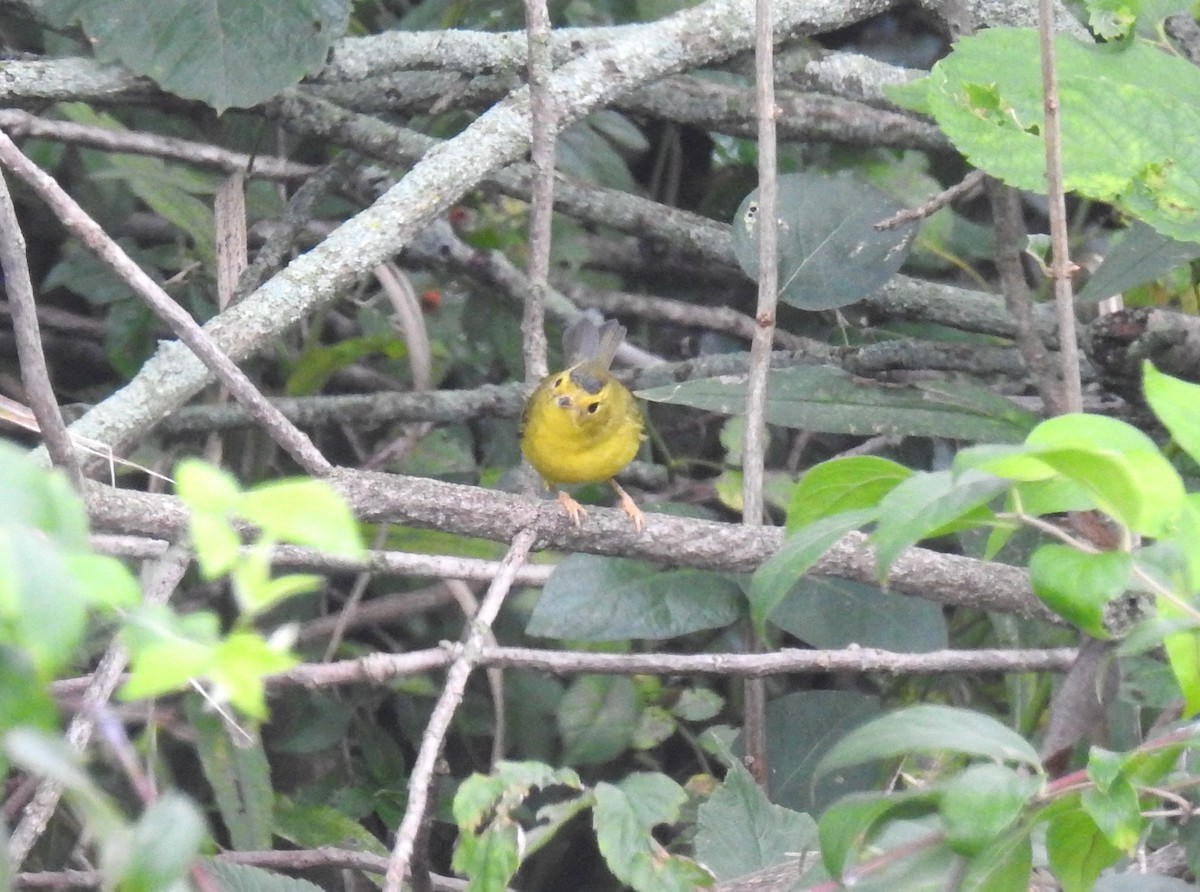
[(629, 506), (573, 508)]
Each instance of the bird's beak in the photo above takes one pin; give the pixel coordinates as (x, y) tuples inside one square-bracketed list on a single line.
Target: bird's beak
[(564, 402)]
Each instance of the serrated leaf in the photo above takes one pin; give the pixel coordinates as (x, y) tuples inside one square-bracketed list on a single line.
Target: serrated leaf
[(239, 775), (590, 598), (624, 815), (820, 398), (204, 49), (740, 831), (1079, 586), (828, 259), (1125, 110), (303, 512), (929, 728)]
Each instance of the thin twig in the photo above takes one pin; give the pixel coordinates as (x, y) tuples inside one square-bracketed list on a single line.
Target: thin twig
[(93, 236), (34, 374), (936, 203), (1061, 267), (543, 126), (467, 658)]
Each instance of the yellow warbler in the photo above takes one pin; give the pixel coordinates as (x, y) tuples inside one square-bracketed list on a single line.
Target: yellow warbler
[(581, 425)]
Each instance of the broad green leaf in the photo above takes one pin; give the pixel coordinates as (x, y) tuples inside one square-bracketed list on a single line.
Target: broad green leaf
[(799, 551), (597, 718), (1125, 111), (313, 826), (1174, 402), (825, 612), (24, 698), (1183, 655), (1115, 812), (316, 364), (820, 398), (1003, 866), (1117, 463), (982, 804), (205, 488), (740, 831), (1079, 586), (239, 666), (42, 610), (490, 857), (850, 823), (590, 598), (828, 259), (167, 649), (1078, 851), (842, 485), (247, 878), (303, 512), (801, 728), (207, 49), (239, 776), (929, 728), (624, 815), (39, 499), (1140, 254), (697, 705), (930, 504), (103, 581), (165, 842)]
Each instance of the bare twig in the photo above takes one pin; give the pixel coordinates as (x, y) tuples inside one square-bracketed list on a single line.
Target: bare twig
[(910, 215), (754, 725), (34, 373), (83, 227), (543, 126), (1060, 267), (439, 722)]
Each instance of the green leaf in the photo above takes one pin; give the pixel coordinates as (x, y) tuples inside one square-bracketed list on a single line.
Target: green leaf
[(1125, 112), (801, 728), (1115, 812), (623, 817), (42, 610), (1138, 255), (303, 512), (740, 831), (238, 774), (773, 580), (828, 259), (1079, 586), (1174, 402), (930, 504), (929, 728), (103, 581), (1003, 866), (206, 50), (167, 650), (234, 877), (821, 398), (205, 488), (597, 718), (1183, 655), (842, 485), (24, 698), (52, 757), (850, 823), (982, 804), (590, 598), (40, 499), (318, 363), (824, 612), (239, 665), (313, 826), (166, 840), (1078, 851)]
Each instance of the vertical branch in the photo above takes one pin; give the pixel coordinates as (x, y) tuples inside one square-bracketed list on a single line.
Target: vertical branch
[(543, 118), (478, 634), (1061, 266), (754, 453), (34, 374)]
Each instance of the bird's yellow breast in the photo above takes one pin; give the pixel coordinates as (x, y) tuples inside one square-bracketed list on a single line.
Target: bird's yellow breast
[(580, 426)]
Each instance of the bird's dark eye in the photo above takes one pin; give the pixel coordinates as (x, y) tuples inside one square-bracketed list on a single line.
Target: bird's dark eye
[(558, 381), (592, 407)]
